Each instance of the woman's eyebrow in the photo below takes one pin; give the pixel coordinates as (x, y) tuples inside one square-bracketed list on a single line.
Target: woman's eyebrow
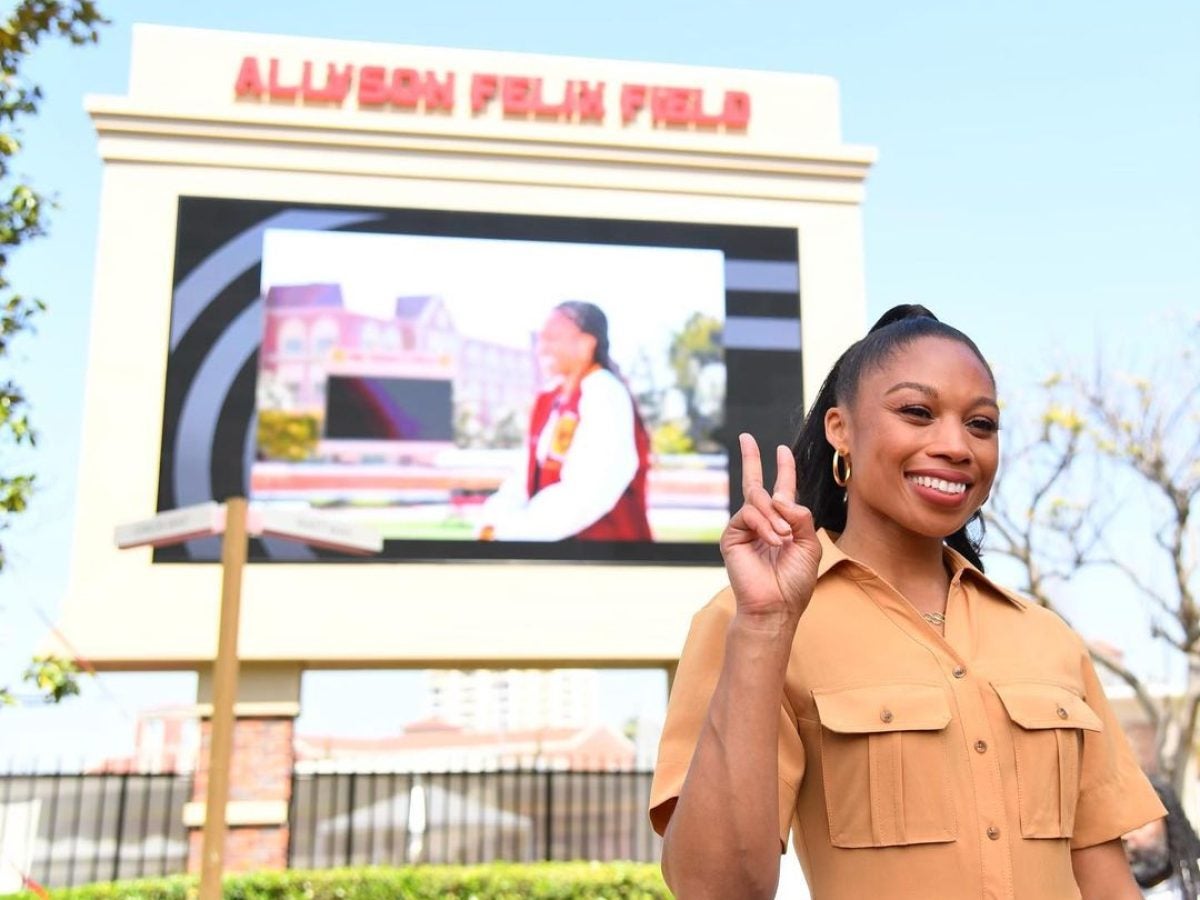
[(932, 394), (923, 388)]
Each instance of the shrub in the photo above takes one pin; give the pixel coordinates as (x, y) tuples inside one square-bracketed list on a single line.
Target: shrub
[(498, 881)]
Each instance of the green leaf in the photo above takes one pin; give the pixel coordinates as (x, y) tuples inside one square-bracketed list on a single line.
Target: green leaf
[(54, 677)]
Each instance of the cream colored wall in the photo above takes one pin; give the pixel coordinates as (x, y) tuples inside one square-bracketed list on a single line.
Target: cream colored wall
[(170, 138)]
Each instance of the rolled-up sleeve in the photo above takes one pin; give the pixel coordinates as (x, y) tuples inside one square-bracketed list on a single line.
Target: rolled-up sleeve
[(1115, 796), (693, 687)]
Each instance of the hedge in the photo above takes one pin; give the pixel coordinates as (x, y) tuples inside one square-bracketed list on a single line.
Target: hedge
[(498, 881)]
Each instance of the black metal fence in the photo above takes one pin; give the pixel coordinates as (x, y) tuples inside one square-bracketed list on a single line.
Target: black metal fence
[(371, 818), (64, 829), (67, 829)]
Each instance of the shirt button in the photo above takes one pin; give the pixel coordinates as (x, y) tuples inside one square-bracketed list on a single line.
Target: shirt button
[(981, 746), (885, 716), (959, 672), (1062, 713), (993, 833)]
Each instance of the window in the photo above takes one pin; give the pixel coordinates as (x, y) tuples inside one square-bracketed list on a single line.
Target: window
[(293, 341), (325, 336)]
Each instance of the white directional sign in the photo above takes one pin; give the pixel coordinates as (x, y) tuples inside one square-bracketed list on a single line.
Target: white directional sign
[(179, 525), (173, 527), (316, 529)]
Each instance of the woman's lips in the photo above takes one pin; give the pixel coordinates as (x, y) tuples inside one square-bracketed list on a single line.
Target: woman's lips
[(941, 491)]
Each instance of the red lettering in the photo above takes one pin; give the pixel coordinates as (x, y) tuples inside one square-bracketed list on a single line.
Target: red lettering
[(564, 108), (439, 94), (633, 99), (407, 88), (591, 102), (673, 106), (277, 90), (737, 109), (337, 84), (516, 94), (249, 80), (734, 112), (372, 86), (306, 80), (483, 90), (703, 119)]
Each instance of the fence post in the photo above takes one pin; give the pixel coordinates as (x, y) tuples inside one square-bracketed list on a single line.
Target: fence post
[(120, 825), (291, 819), (548, 779), (350, 820)]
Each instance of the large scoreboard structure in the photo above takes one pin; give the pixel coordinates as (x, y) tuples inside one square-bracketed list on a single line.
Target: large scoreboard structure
[(321, 271)]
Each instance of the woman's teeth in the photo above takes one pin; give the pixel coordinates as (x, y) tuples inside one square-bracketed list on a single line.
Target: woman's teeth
[(938, 484)]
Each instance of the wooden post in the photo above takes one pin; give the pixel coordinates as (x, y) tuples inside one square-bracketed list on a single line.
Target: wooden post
[(225, 678)]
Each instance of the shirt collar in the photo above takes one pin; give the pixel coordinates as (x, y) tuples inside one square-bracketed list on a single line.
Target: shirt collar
[(832, 555)]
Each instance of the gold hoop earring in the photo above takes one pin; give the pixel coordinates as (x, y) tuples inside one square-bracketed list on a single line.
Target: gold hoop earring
[(838, 478)]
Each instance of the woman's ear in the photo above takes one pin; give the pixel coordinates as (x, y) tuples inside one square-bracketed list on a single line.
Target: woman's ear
[(837, 429)]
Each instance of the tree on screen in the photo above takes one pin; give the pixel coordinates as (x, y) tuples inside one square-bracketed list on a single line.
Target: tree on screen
[(23, 218), (696, 355), (287, 436), (1108, 478)]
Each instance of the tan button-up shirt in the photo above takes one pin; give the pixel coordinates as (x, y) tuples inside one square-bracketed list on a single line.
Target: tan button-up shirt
[(913, 764)]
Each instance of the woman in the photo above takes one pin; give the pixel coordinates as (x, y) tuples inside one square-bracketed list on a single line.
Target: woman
[(588, 451), (920, 731)]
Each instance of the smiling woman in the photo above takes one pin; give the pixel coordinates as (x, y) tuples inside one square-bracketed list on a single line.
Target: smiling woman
[(922, 731)]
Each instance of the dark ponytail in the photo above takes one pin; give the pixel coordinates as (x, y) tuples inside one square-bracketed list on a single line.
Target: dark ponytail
[(898, 327)]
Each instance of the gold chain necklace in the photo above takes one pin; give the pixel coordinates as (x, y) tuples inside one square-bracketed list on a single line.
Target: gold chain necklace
[(937, 620)]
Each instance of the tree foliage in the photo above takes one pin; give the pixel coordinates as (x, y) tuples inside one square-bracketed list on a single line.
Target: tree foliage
[(53, 678), (697, 361), (287, 436), (22, 219), (1108, 477)]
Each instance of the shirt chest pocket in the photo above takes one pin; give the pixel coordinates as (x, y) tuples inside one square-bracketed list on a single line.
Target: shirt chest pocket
[(1048, 722), (885, 765)]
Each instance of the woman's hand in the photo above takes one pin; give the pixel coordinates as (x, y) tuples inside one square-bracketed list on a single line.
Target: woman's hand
[(770, 548)]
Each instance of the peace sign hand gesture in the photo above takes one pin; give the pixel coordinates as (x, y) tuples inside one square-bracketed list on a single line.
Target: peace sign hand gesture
[(770, 547)]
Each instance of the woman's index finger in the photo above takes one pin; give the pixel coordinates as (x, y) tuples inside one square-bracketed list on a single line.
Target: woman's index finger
[(785, 473), (752, 473)]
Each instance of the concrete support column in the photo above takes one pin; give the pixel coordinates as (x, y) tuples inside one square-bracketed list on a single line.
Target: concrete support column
[(260, 777)]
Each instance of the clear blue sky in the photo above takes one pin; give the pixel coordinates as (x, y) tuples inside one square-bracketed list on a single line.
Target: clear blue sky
[(1038, 185)]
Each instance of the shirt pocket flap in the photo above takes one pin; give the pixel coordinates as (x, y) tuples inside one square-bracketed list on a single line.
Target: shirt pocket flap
[(878, 708), (1035, 705)]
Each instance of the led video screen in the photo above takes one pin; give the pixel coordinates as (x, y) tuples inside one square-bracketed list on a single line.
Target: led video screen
[(476, 386)]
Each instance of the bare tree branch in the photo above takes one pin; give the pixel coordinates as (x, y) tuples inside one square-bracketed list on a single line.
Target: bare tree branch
[(1055, 515), (1157, 598), (1147, 702)]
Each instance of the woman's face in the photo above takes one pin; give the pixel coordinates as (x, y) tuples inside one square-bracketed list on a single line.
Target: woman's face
[(563, 347), (921, 437)]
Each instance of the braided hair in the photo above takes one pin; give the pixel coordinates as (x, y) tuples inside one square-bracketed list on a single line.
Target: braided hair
[(895, 330)]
